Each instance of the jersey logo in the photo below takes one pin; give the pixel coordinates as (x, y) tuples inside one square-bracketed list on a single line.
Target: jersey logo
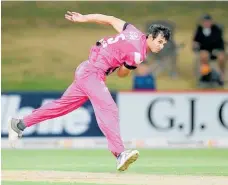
[(133, 35)]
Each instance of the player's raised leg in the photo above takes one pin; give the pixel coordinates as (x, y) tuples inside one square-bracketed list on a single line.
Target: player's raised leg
[(107, 116), (72, 98)]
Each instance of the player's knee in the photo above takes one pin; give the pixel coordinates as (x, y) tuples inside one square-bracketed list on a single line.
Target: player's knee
[(113, 110), (115, 113), (109, 107)]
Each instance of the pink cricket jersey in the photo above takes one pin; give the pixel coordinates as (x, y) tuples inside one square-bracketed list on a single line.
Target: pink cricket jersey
[(126, 48)]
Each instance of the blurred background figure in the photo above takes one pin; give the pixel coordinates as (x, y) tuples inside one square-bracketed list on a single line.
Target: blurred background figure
[(143, 78), (209, 46)]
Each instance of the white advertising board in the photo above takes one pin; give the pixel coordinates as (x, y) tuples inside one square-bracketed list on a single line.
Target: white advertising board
[(181, 117)]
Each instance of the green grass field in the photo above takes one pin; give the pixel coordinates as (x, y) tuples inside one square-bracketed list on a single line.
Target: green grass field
[(64, 166)]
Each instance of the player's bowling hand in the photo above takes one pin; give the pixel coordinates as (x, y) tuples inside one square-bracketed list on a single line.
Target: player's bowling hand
[(75, 17)]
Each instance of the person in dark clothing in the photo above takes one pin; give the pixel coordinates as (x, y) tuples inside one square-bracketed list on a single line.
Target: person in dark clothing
[(208, 40)]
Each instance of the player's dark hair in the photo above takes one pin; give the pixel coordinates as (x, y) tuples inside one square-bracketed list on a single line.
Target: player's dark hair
[(156, 29)]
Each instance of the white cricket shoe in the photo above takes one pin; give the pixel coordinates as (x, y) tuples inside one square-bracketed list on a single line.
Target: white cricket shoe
[(14, 133), (126, 158)]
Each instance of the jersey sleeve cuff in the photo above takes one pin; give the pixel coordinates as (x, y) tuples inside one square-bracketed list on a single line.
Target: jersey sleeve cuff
[(125, 26), (129, 67)]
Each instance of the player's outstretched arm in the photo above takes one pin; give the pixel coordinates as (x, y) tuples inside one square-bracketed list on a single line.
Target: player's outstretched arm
[(117, 24)]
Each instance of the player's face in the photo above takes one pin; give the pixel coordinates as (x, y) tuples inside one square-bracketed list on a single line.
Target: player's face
[(156, 44)]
